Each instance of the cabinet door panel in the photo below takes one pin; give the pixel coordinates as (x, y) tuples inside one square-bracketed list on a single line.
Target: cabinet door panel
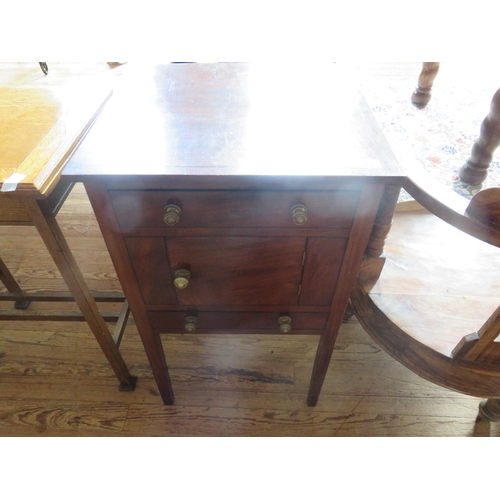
[(321, 270), (150, 262), (238, 270)]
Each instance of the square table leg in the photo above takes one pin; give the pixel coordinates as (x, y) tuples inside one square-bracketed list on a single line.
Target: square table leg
[(56, 244)]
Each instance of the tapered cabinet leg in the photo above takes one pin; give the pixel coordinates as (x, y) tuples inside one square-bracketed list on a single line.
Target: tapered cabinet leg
[(58, 248), (489, 410), (475, 169), (422, 94), (320, 368)]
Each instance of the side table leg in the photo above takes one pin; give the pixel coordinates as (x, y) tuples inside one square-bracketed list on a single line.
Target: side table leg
[(422, 94), (11, 284), (475, 169), (58, 248)]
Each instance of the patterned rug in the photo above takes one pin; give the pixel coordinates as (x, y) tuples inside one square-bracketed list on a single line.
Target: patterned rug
[(439, 137)]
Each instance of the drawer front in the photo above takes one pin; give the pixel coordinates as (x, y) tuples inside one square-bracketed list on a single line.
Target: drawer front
[(236, 270), (179, 322), (141, 209)]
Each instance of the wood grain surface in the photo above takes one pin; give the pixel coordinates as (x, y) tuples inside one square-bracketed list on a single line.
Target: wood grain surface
[(55, 381), (39, 129)]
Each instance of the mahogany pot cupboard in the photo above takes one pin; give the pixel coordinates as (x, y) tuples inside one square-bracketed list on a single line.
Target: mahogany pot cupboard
[(239, 199)]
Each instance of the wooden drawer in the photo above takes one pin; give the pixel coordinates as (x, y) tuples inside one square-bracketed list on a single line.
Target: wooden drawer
[(175, 322), (139, 209), (256, 271)]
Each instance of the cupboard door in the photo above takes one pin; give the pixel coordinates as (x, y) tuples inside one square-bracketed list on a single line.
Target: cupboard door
[(238, 270), (321, 270), (148, 256)]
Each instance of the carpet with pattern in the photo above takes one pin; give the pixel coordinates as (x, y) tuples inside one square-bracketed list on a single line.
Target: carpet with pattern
[(439, 137)]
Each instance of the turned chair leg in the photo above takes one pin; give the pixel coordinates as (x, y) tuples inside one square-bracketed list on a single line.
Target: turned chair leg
[(422, 94), (475, 169), (489, 410)]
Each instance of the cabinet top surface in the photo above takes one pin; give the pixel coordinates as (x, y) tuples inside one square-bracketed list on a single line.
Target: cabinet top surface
[(235, 119), (39, 128)]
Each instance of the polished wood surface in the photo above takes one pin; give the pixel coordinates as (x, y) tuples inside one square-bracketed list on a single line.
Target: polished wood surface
[(422, 327), (274, 173), (475, 169), (55, 381), (269, 120), (39, 129), (422, 94)]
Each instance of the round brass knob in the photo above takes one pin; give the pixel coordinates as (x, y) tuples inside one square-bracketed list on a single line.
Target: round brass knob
[(172, 215), (190, 324), (285, 323), (182, 277), (299, 214)]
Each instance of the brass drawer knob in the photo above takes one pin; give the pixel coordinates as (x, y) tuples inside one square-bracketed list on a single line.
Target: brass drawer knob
[(299, 214), (285, 323), (190, 324), (182, 277), (172, 215)]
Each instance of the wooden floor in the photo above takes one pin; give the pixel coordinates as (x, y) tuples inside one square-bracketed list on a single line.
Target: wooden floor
[(54, 380)]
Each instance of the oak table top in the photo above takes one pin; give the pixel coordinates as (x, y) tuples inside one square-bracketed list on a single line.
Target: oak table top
[(40, 127)]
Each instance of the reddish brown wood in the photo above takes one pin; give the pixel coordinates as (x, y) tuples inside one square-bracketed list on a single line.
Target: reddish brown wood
[(231, 271), (422, 94), (485, 207), (486, 352), (142, 209), (475, 169), (121, 324), (363, 223), (482, 347), (108, 224), (448, 206), (46, 296), (322, 263), (152, 270), (15, 315), (383, 221), (235, 148), (465, 377), (489, 410), (374, 259), (236, 321)]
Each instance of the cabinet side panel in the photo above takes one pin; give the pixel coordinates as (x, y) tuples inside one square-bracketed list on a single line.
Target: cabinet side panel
[(321, 270), (149, 259)]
